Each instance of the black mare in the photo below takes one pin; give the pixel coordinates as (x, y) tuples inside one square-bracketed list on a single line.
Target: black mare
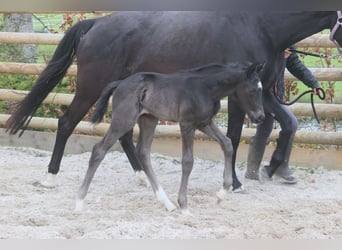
[(118, 45), (190, 97)]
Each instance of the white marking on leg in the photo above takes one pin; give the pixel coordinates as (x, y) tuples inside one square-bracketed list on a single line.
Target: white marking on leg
[(141, 179), (50, 181), (240, 190), (186, 212), (79, 205), (162, 197)]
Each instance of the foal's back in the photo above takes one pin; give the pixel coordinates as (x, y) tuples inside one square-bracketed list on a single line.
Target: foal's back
[(181, 96)]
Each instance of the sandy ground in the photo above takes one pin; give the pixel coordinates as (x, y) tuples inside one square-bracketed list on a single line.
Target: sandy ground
[(117, 207)]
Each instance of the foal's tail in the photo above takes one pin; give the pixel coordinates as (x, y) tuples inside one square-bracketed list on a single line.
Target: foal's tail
[(102, 102), (49, 78)]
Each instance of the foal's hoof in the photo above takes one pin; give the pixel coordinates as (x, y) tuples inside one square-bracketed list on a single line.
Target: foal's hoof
[(170, 207), (141, 179), (50, 181), (186, 212), (79, 205), (221, 195)]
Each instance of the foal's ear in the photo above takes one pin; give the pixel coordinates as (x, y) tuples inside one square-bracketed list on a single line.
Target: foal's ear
[(255, 67)]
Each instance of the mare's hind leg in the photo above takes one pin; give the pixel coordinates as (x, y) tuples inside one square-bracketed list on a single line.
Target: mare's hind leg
[(66, 124), (126, 142), (80, 105), (188, 133), (214, 132), (147, 125)]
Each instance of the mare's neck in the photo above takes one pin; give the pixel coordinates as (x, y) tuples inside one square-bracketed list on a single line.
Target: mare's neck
[(290, 28)]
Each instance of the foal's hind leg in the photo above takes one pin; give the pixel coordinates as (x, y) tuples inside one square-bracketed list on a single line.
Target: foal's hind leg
[(99, 151), (147, 125), (118, 127), (214, 132)]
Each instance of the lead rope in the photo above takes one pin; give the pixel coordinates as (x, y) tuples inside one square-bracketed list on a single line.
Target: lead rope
[(320, 93)]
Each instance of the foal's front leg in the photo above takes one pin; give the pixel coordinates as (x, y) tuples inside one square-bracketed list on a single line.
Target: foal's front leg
[(188, 133), (214, 132)]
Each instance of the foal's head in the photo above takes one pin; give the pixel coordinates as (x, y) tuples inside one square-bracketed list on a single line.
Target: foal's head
[(249, 93)]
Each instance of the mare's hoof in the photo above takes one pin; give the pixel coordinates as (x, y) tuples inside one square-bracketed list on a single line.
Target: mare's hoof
[(264, 176), (50, 181), (252, 175)]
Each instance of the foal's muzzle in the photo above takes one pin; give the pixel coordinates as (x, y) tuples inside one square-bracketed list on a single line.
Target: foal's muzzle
[(257, 117)]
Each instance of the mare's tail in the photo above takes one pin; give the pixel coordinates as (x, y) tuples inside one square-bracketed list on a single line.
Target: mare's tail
[(49, 78), (102, 102)]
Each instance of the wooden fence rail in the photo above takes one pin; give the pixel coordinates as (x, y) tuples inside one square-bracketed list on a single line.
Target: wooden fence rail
[(299, 109), (314, 41), (305, 137)]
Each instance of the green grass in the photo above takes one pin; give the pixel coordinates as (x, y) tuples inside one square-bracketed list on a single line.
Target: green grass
[(45, 52)]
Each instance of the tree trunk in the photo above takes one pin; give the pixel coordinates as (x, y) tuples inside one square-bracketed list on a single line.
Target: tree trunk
[(21, 23)]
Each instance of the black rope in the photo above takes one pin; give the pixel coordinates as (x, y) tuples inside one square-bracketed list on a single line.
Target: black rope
[(319, 92), (309, 54)]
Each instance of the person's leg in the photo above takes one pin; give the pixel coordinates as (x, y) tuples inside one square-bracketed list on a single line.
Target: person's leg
[(279, 163)]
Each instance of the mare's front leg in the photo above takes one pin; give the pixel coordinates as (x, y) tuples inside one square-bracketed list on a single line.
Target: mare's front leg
[(147, 125), (214, 132), (188, 134), (236, 117)]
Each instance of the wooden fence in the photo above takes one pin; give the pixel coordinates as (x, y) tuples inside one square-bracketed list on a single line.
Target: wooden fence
[(300, 109)]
